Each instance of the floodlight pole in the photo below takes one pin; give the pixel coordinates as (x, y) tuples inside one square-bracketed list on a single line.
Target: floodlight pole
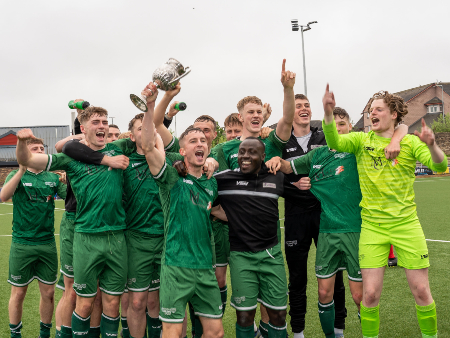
[(112, 119), (443, 115), (295, 27)]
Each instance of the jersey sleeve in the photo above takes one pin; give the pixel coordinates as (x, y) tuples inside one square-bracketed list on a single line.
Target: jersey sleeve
[(58, 162), (126, 146), (218, 154), (167, 177), (423, 155), (302, 165), (349, 143), (82, 153), (275, 146), (61, 190), (172, 157), (10, 175), (173, 146)]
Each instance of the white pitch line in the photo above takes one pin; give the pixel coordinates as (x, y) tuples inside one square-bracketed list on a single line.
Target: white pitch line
[(437, 240)]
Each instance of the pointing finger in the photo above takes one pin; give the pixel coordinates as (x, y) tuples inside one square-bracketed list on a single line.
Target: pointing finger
[(283, 67)]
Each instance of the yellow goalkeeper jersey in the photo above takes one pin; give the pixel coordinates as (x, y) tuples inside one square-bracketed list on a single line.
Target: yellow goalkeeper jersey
[(386, 185)]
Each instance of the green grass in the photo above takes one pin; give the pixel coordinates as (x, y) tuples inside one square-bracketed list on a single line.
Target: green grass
[(397, 311)]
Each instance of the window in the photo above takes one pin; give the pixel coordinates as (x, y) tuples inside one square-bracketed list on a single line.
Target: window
[(434, 108)]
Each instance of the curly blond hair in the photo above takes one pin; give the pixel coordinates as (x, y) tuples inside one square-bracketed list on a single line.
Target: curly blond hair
[(85, 115), (395, 103), (124, 135), (248, 99)]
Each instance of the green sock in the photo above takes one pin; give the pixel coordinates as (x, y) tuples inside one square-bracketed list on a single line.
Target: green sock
[(15, 330), (264, 329), (66, 332), (426, 315), (109, 327), (57, 333), (80, 325), (245, 332), (154, 327), (125, 330), (44, 330), (370, 321), (326, 316), (277, 331), (94, 332), (223, 297)]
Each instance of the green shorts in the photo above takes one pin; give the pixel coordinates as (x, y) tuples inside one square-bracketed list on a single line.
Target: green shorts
[(182, 285), (60, 285), (29, 262), (66, 232), (258, 277), (338, 251), (407, 237), (99, 256), (221, 242), (144, 260)]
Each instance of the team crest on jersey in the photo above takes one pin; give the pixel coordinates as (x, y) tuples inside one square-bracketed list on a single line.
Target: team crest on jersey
[(234, 155), (239, 300), (79, 286), (28, 184), (318, 268), (209, 206), (340, 155), (131, 281), (339, 169), (51, 184), (49, 198), (16, 278), (109, 152), (394, 162), (168, 311), (269, 185), (317, 166)]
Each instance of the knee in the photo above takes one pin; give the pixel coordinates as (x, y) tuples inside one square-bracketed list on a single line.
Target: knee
[(83, 308), (18, 295), (325, 295), (278, 318), (98, 299), (245, 318), (152, 304), (422, 293), (48, 293), (216, 332), (138, 305), (357, 297), (71, 297), (222, 280), (371, 297), (124, 301)]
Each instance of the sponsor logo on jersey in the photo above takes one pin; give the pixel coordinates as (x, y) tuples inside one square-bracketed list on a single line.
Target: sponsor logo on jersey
[(318, 268), (423, 256), (28, 184), (242, 183), (131, 281), (369, 148), (49, 198), (339, 169), (80, 333), (69, 267), (239, 300), (155, 281), (316, 146), (269, 185), (394, 162), (209, 191), (220, 307), (359, 272), (317, 166), (234, 155), (79, 286), (340, 155), (109, 152), (16, 278), (135, 164), (51, 184), (291, 243), (187, 181), (291, 149), (361, 257), (168, 311)]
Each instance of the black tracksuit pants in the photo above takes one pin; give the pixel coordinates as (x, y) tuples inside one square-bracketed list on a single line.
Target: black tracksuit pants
[(300, 230)]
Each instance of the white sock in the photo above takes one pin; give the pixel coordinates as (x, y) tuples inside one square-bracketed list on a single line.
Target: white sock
[(336, 331), (255, 328), (299, 335)]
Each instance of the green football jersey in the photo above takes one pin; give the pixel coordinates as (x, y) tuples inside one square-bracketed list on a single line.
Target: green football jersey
[(97, 188), (227, 153), (186, 204), (335, 183), (34, 207), (141, 198), (173, 146), (386, 185)]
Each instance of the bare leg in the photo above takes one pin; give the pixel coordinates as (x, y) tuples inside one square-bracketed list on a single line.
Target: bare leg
[(96, 315), (372, 286), (419, 285), (15, 306), (136, 320), (68, 305), (172, 330), (212, 328), (47, 302)]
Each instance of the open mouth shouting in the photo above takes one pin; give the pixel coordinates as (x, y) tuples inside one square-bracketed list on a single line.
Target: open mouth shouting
[(199, 155), (100, 135), (255, 123), (375, 121)]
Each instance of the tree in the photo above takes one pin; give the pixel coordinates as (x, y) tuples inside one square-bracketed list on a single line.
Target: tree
[(441, 125), (221, 137)]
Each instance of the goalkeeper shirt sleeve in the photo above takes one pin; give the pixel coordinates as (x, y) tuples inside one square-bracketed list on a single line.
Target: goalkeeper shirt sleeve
[(423, 155), (350, 143)]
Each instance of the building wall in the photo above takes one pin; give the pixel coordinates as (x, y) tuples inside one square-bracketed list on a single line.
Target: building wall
[(443, 141), (4, 172)]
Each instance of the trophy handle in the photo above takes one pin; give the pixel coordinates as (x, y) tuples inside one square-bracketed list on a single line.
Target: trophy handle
[(181, 76), (139, 103)]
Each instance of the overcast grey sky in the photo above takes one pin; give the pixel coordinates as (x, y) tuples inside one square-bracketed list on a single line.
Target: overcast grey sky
[(101, 51)]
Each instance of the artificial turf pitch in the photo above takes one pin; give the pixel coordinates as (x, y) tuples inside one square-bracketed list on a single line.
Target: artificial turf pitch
[(397, 310)]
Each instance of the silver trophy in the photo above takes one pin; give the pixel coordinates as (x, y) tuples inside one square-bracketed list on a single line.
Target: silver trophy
[(165, 78)]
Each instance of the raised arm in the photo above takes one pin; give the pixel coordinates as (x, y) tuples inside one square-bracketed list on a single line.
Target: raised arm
[(437, 155), (11, 184), (160, 111), (60, 144), (284, 126), (24, 155), (154, 157)]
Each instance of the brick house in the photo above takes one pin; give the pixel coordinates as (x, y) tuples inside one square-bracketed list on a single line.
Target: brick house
[(423, 102)]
